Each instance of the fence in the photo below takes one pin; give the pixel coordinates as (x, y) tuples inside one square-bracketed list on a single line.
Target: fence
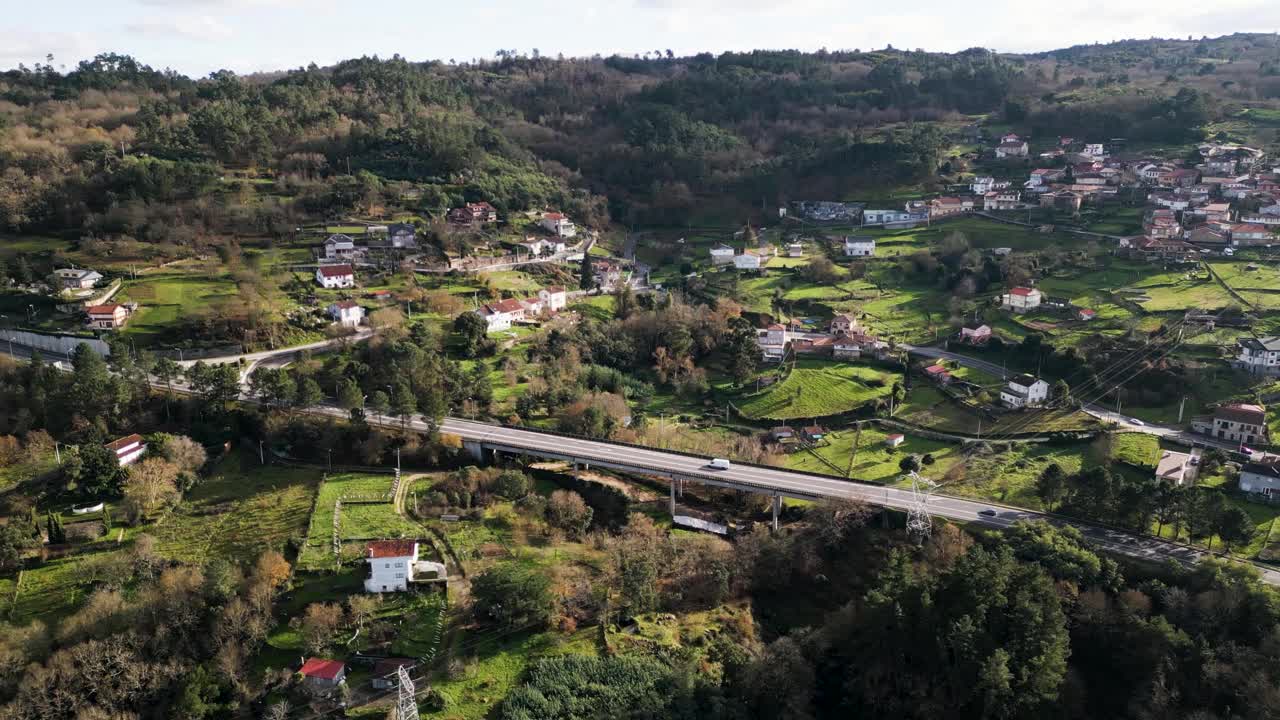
[(54, 343)]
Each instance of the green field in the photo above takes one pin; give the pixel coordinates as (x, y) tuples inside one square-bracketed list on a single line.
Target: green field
[(356, 521), (1137, 449), (817, 389), (166, 299)]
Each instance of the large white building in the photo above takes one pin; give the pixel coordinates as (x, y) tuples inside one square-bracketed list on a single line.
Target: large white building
[(500, 315), (336, 276), (77, 278), (1024, 391), (553, 298), (128, 449), (339, 247), (1260, 356), (559, 224), (346, 313), (393, 564), (749, 260), (1021, 299), (1260, 478), (859, 246), (722, 255)]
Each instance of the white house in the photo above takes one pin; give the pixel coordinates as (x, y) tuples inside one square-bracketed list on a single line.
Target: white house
[(1021, 299), (553, 298), (558, 224), (892, 217), (1173, 466), (391, 564), (1237, 422), (128, 449), (336, 276), (346, 313), (339, 247), (721, 255), (402, 235), (1011, 149), (77, 278), (1260, 478), (1260, 356), (1095, 150), (501, 314), (111, 316), (859, 246), (983, 185), (1024, 391), (749, 260), (795, 249)]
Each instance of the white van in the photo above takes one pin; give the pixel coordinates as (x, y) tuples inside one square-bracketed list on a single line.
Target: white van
[(719, 464)]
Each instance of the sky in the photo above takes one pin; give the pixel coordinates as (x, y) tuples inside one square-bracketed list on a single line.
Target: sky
[(197, 37)]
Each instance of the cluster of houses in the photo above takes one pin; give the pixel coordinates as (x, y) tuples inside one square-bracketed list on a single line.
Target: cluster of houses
[(846, 339), (342, 248), (501, 315), (787, 435), (1019, 392)]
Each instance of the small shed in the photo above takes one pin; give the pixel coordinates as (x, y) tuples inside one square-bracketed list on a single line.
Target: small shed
[(895, 440), (323, 673)]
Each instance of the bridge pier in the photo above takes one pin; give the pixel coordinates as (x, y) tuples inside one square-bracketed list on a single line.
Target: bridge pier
[(776, 503), (475, 449), (671, 503)]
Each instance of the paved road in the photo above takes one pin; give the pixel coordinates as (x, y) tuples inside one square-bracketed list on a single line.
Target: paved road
[(786, 482)]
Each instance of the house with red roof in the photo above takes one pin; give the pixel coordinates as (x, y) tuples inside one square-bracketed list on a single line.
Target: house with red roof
[(1021, 299), (938, 374), (390, 565), (127, 449), (107, 317), (1244, 234), (558, 224), (323, 673), (500, 315), (336, 276)]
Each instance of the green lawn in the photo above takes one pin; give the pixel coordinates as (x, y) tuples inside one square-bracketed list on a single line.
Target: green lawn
[(357, 520), (817, 389), (166, 299), (1136, 449), (874, 461)]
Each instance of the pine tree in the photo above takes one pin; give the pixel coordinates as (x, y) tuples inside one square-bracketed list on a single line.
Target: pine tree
[(106, 519), (586, 277)]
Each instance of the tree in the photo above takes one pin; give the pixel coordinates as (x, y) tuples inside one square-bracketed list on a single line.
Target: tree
[(205, 694), (586, 273), (743, 350), (217, 385), (910, 463), (473, 330), (319, 623), (1051, 486), (96, 471), (274, 387), (151, 485), (350, 398), (569, 512), (166, 371), (380, 403), (512, 484), (1061, 390), (514, 596), (403, 403), (309, 394), (1235, 527), (13, 542), (185, 454)]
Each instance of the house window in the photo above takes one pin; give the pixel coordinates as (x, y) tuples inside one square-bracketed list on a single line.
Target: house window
[(399, 576), (386, 565)]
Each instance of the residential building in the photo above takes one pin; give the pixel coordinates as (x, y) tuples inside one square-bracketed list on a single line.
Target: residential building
[(554, 298), (474, 213), (1236, 422), (782, 434), (1001, 200), (500, 315), (336, 276), (813, 433), (111, 316), (1011, 149), (1208, 236), (1164, 249), (1095, 150), (1173, 467), (722, 255), (390, 565), (558, 224), (128, 449), (938, 374), (947, 206), (1086, 314), (1062, 201), (857, 344), (1162, 223), (1021, 299), (1024, 391), (1041, 178), (983, 185), (975, 333), (843, 325), (346, 313), (539, 247), (1260, 356), (795, 250), (888, 218), (895, 439), (1214, 212), (1260, 218), (77, 278), (748, 260), (855, 246), (1260, 479), (1244, 235), (323, 674), (402, 236), (339, 247)]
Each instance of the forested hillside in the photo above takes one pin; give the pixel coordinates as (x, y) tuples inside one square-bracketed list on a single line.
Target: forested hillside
[(115, 146)]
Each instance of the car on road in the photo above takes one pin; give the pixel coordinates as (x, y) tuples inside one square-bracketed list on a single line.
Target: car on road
[(987, 512), (719, 464), (1135, 421)]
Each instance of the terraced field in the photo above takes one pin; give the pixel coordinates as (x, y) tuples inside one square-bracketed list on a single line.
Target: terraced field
[(816, 389)]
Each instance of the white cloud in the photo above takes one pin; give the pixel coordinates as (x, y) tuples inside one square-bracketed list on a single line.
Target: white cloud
[(22, 46), (194, 27)]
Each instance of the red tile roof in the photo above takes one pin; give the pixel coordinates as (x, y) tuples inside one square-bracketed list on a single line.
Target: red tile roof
[(347, 304), (936, 370), (509, 305), (390, 548), (1021, 291), (108, 309), (552, 216), (1240, 412), (124, 442), (336, 270), (322, 668), (1248, 228)]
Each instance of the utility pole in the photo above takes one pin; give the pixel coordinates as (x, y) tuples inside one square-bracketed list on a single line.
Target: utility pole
[(262, 458), (1181, 406), (330, 459)]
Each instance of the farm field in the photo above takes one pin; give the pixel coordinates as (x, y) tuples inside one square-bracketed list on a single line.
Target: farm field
[(816, 389), (371, 518)]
